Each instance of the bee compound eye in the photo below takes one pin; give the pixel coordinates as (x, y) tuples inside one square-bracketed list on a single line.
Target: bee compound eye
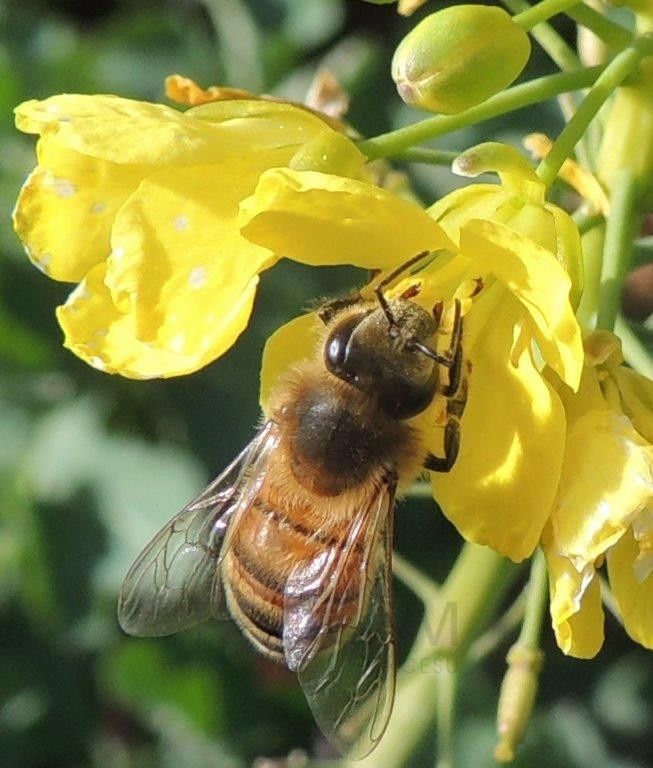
[(336, 351), (336, 347)]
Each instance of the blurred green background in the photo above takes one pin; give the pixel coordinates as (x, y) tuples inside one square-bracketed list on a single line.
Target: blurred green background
[(92, 465)]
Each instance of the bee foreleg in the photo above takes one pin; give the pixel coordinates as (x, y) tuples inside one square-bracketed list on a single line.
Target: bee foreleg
[(455, 407), (329, 309), (451, 446)]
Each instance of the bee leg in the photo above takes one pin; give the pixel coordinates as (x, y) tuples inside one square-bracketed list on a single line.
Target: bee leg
[(455, 408), (451, 446), (329, 309)]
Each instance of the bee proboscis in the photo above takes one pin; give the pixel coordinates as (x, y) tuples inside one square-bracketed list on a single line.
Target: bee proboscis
[(294, 539)]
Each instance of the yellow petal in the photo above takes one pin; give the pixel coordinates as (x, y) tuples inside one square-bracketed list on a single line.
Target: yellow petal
[(126, 131), (320, 219), (576, 611), (178, 261), (106, 339), (539, 281), (607, 479), (66, 208), (500, 490), (634, 597), (295, 341)]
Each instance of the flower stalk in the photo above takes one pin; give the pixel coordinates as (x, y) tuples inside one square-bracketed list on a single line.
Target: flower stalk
[(611, 78), (517, 97)]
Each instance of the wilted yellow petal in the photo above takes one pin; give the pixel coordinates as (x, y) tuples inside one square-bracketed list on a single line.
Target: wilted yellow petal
[(183, 90), (66, 209), (500, 490), (106, 339), (320, 219), (576, 610), (578, 177), (636, 393), (607, 479), (295, 341), (634, 597), (178, 261), (540, 283)]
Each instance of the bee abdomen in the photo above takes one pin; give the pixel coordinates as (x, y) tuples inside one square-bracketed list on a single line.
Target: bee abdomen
[(256, 608)]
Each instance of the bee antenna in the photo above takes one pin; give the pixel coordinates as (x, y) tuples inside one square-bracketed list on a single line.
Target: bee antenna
[(378, 291), (419, 347)]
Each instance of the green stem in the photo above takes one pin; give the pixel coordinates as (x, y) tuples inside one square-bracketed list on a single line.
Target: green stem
[(612, 76), (621, 227), (536, 14), (519, 96), (495, 635), (426, 589), (420, 490), (586, 221), (635, 353), (473, 589), (613, 35), (560, 53), (446, 713), (535, 603), (431, 156)]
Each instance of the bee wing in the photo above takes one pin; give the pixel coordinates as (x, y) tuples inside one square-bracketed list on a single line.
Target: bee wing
[(338, 632), (175, 581)]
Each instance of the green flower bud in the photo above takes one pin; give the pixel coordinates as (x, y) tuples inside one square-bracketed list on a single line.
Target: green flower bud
[(458, 57), (518, 691), (329, 153)]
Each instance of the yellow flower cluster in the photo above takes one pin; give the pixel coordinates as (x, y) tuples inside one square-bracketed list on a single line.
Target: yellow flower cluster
[(166, 219)]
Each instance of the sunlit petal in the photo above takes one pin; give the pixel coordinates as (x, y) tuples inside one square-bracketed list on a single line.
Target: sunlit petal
[(66, 209), (500, 490), (541, 284), (106, 339), (295, 341), (318, 219), (576, 610), (178, 262)]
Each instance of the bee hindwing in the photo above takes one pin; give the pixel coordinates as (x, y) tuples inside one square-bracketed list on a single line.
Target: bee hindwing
[(175, 581)]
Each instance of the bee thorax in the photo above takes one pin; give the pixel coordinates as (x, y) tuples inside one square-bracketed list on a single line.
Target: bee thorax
[(336, 445)]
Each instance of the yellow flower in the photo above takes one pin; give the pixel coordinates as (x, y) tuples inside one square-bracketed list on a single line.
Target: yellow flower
[(501, 488), (138, 203), (604, 505)]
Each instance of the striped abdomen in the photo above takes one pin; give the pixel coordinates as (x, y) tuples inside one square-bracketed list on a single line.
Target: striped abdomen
[(268, 544)]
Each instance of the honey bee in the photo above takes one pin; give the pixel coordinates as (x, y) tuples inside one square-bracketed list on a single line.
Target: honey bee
[(294, 539)]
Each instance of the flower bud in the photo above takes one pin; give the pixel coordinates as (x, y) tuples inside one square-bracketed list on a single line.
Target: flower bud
[(518, 691), (519, 202), (458, 57), (329, 153)]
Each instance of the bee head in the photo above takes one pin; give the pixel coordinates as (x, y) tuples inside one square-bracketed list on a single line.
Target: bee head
[(381, 352)]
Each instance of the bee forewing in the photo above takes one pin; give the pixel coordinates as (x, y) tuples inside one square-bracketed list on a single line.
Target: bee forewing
[(175, 581), (338, 631)]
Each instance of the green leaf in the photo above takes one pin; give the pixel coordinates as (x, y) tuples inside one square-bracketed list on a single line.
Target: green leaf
[(141, 675)]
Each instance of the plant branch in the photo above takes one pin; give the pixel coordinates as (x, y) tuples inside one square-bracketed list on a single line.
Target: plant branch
[(514, 98), (561, 54), (612, 76), (621, 226)]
